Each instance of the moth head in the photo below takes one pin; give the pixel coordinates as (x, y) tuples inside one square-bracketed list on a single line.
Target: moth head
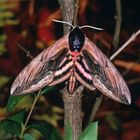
[(76, 36), (76, 39)]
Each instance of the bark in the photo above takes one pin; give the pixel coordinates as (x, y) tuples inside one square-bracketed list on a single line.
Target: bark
[(72, 103)]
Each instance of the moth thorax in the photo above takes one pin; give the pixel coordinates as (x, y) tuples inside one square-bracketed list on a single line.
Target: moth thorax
[(76, 39)]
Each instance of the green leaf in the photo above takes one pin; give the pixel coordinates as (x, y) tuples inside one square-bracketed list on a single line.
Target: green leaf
[(3, 79), (11, 127), (55, 135), (46, 130), (90, 133), (69, 132), (12, 102), (18, 117), (28, 137), (41, 128)]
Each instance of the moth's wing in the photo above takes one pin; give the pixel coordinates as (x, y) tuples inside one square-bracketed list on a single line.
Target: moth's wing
[(106, 77), (41, 70)]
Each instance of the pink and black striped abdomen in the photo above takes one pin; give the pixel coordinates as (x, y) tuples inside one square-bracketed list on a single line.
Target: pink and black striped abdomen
[(74, 72)]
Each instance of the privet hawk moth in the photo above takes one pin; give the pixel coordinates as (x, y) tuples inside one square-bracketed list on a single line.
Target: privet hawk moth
[(76, 60)]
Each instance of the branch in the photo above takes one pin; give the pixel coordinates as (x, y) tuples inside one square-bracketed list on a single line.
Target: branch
[(67, 10), (118, 24), (99, 99), (29, 115), (95, 107), (76, 12), (132, 38), (72, 110), (28, 54), (72, 103)]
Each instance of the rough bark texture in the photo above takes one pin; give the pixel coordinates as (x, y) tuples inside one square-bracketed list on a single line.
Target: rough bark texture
[(72, 103), (72, 107), (118, 25), (67, 10)]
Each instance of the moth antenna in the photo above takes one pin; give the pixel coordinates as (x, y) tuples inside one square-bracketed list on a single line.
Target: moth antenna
[(64, 22), (92, 27)]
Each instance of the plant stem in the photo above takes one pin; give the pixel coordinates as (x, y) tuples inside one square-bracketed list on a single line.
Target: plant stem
[(95, 107), (28, 54), (72, 111), (99, 99), (76, 12), (29, 115), (118, 24), (67, 10), (72, 103), (132, 38)]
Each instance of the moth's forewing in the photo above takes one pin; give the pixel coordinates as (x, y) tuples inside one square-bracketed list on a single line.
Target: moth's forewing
[(40, 71), (106, 77)]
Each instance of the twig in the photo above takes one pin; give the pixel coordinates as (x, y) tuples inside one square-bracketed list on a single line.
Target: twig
[(29, 115), (28, 54), (72, 104), (95, 107), (118, 24), (76, 12), (115, 44), (132, 38), (35, 100), (99, 99), (67, 10)]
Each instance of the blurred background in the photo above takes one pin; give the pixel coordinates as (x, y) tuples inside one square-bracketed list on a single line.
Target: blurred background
[(29, 23)]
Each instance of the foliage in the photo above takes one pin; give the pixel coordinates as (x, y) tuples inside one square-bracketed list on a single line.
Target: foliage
[(7, 18), (90, 133), (6, 15), (17, 122), (69, 132), (18, 119), (18, 24)]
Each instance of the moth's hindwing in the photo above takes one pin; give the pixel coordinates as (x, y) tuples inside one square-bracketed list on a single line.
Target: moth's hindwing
[(105, 76), (40, 71)]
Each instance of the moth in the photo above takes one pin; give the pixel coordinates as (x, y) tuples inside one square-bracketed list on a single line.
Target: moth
[(73, 59)]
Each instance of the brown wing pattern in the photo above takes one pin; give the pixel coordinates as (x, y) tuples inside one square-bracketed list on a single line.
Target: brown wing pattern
[(106, 77), (40, 71)]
